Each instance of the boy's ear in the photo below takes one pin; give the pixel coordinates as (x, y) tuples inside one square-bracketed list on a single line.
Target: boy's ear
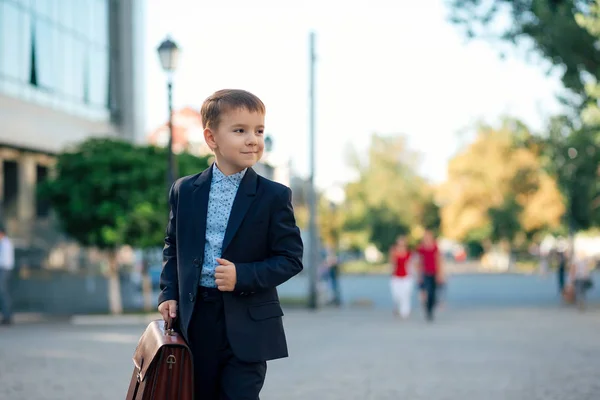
[(209, 138)]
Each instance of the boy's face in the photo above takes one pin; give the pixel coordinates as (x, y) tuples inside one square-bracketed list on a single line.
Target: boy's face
[(238, 140)]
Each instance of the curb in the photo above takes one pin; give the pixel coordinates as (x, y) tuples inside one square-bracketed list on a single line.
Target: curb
[(24, 318), (95, 320)]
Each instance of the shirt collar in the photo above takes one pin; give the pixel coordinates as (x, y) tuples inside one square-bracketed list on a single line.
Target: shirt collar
[(236, 179)]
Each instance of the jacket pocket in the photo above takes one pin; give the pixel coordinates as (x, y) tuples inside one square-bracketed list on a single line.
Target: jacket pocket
[(265, 311)]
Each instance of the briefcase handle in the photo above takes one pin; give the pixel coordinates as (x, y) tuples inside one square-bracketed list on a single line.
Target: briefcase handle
[(169, 326)]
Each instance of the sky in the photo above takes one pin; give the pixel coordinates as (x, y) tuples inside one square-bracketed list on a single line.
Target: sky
[(388, 67)]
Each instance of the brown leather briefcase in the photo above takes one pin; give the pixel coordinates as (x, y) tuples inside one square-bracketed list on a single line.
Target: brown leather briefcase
[(163, 366)]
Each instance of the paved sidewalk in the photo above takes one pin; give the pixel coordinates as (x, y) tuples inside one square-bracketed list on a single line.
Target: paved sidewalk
[(516, 354)]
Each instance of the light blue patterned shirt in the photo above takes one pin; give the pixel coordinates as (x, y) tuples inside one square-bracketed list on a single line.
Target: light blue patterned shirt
[(220, 200)]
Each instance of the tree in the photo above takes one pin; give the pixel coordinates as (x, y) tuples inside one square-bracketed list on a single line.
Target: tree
[(147, 221), (108, 193), (330, 223), (591, 23), (386, 199), (496, 188), (546, 26), (571, 156), (504, 220), (429, 214)]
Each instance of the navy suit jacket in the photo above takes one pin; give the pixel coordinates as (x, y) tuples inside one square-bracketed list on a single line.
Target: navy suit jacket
[(263, 242)]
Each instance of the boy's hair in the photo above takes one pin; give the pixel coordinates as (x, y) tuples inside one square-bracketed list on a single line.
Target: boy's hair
[(225, 100)]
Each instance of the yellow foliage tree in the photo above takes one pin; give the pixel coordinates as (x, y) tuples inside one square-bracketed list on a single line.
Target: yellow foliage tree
[(495, 173)]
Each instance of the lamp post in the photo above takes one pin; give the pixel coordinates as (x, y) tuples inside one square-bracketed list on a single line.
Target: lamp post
[(168, 53), (313, 242)]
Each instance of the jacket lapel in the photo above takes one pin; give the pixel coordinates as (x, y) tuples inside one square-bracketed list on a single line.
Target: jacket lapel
[(243, 200), (200, 206)]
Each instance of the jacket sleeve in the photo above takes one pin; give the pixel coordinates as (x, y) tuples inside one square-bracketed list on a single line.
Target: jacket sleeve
[(169, 285), (285, 247)]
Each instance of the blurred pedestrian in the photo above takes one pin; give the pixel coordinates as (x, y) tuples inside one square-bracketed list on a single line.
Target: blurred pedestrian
[(329, 288), (401, 281), (430, 274), (544, 264), (332, 264), (580, 279), (561, 269), (7, 265)]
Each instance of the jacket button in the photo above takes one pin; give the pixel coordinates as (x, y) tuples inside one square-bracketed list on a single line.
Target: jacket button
[(196, 262), (192, 297)]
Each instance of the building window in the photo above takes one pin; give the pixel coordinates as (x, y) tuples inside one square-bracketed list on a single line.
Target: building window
[(13, 55), (42, 205), (56, 52), (98, 77), (78, 70), (10, 188), (46, 52), (33, 69), (86, 80)]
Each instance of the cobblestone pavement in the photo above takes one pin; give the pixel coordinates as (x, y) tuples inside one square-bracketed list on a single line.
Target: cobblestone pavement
[(513, 354)]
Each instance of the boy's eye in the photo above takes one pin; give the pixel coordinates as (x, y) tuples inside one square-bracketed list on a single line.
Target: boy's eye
[(239, 130), (260, 132)]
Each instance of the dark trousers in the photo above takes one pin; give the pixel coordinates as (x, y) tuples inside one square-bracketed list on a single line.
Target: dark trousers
[(5, 300), (335, 285), (430, 288), (561, 279), (218, 374)]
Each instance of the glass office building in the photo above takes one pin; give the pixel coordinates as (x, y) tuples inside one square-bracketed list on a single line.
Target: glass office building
[(56, 53), (69, 69)]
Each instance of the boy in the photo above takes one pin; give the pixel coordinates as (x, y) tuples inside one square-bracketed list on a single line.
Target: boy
[(230, 240)]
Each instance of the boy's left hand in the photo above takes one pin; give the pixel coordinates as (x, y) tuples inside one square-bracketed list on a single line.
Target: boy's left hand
[(225, 275)]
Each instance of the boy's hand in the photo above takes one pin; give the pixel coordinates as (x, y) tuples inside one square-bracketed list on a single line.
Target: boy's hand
[(225, 275), (168, 310)]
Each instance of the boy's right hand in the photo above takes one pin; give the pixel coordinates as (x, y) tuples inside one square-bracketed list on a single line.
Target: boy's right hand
[(168, 310)]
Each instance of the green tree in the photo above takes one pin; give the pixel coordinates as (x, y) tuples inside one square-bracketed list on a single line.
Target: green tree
[(591, 23), (429, 215), (385, 200), (331, 221), (497, 188), (546, 26), (504, 220), (108, 193), (571, 155), (147, 221)]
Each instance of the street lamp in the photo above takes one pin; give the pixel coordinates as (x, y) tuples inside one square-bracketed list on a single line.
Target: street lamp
[(313, 242), (168, 53)]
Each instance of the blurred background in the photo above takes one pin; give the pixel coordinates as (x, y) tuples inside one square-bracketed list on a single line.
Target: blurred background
[(474, 120)]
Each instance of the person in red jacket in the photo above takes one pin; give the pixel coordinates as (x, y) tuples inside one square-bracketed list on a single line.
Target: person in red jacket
[(430, 272), (402, 280)]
